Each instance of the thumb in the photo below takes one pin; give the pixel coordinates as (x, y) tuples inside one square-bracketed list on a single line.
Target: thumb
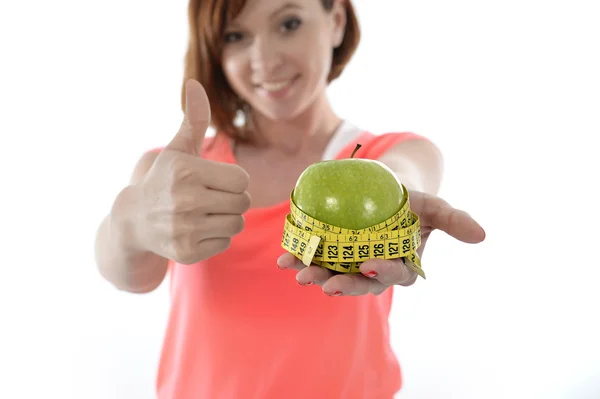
[(196, 120), (438, 214)]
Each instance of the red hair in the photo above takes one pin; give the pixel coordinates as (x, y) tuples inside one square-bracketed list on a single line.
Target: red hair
[(207, 20)]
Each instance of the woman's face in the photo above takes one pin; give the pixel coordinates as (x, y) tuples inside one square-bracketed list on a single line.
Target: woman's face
[(277, 53)]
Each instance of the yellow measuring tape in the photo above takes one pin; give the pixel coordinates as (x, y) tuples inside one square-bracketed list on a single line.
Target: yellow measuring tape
[(344, 250)]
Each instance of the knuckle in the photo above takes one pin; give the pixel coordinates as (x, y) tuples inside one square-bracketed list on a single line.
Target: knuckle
[(178, 203), (408, 277), (182, 245), (220, 245), (319, 278), (180, 173), (235, 224), (181, 212), (239, 224), (224, 244), (199, 200), (181, 252), (377, 289), (202, 204), (240, 178), (411, 280), (178, 170), (246, 201), (213, 247)]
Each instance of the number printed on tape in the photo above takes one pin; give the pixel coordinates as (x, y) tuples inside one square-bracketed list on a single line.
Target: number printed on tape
[(344, 250)]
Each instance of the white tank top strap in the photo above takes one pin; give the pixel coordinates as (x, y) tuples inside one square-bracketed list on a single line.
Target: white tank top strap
[(343, 135)]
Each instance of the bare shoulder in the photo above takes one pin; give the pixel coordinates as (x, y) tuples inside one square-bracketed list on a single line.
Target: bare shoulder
[(421, 150), (419, 162)]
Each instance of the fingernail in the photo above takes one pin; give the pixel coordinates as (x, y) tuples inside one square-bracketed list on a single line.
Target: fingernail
[(371, 274), (304, 284), (337, 293)]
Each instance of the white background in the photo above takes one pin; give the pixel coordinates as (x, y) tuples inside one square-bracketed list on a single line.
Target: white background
[(509, 90)]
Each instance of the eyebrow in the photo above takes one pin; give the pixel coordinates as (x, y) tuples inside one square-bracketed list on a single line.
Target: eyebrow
[(283, 8)]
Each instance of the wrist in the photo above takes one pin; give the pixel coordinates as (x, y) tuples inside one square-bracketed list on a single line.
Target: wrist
[(124, 222)]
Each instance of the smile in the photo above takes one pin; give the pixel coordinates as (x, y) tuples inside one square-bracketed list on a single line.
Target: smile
[(277, 85)]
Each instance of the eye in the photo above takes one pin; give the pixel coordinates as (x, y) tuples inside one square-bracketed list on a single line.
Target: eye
[(232, 37), (291, 24)]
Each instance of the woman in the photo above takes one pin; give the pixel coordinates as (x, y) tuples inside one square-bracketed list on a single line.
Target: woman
[(210, 212)]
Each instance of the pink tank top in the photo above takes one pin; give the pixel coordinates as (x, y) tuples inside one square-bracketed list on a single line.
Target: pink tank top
[(241, 328)]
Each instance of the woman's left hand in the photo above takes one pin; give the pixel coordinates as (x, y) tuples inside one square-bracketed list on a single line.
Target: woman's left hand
[(379, 274)]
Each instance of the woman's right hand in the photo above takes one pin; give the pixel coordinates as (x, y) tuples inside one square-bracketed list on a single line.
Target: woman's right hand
[(188, 208)]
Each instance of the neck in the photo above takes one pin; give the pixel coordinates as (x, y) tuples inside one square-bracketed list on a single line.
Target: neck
[(311, 129)]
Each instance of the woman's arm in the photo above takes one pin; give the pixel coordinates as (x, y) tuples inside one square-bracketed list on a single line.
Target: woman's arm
[(118, 259), (418, 164)]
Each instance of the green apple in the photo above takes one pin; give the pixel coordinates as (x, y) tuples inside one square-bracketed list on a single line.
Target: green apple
[(352, 193)]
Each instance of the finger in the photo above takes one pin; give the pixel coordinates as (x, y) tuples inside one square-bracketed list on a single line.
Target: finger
[(223, 176), (196, 120), (220, 226), (222, 202), (201, 250), (306, 275), (388, 271), (289, 261), (352, 285), (313, 274), (212, 246), (438, 214)]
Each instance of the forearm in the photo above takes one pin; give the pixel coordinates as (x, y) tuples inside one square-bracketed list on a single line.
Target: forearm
[(119, 259), (418, 164)]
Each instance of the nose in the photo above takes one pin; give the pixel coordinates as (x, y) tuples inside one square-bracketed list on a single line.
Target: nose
[(265, 56)]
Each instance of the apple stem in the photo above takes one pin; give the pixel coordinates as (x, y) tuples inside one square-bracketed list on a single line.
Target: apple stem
[(356, 149)]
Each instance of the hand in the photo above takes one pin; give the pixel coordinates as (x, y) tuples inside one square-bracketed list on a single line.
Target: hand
[(379, 274), (188, 207)]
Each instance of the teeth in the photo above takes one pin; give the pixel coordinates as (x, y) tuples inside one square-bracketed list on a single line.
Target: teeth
[(275, 86)]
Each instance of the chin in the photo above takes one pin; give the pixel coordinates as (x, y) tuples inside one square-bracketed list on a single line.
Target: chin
[(284, 112), (279, 114)]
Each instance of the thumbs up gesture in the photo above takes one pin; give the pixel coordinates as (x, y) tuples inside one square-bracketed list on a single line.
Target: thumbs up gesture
[(189, 207)]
